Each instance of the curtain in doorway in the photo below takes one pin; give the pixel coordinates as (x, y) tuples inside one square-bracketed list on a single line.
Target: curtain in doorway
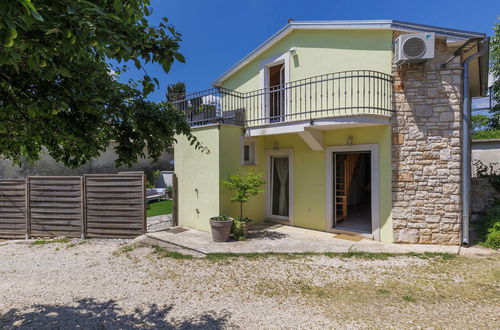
[(281, 165)]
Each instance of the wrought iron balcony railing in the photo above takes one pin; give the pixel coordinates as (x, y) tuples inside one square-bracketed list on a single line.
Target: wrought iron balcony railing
[(340, 94)]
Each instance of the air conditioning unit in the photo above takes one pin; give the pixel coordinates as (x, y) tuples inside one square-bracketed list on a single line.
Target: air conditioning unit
[(414, 48)]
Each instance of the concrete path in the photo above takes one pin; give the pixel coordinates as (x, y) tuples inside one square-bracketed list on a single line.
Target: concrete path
[(279, 238)]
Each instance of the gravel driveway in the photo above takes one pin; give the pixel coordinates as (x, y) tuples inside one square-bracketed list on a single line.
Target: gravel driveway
[(109, 284)]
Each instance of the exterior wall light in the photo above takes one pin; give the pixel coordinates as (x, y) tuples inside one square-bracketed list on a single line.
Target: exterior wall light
[(293, 51), (348, 141), (276, 146)]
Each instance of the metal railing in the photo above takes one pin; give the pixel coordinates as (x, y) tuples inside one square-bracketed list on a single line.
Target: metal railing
[(340, 94)]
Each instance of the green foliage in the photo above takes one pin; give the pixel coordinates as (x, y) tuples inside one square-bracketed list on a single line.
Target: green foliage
[(159, 208), (488, 228), (244, 187), (176, 91), (480, 121), (221, 218), (60, 63), (162, 254), (484, 171), (151, 177), (409, 299), (495, 71), (239, 229), (486, 134), (169, 188), (58, 240)]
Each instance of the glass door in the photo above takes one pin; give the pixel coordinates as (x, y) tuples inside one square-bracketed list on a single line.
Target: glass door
[(280, 186)]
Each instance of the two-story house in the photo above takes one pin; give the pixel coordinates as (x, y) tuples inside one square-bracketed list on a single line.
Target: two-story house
[(357, 125)]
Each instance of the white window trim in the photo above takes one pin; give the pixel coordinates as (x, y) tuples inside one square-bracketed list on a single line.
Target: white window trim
[(375, 184), (247, 140), (291, 206), (264, 79)]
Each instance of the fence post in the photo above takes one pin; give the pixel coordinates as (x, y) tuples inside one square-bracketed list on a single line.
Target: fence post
[(83, 207), (144, 208), (175, 201), (28, 209)]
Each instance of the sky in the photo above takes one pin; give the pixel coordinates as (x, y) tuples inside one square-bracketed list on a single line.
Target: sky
[(218, 33)]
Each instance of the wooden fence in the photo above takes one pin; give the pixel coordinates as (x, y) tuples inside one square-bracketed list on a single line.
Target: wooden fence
[(71, 206)]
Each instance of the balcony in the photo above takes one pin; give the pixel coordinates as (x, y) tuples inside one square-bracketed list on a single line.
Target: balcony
[(334, 95)]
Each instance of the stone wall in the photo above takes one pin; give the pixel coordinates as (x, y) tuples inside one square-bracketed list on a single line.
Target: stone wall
[(104, 164), (426, 151)]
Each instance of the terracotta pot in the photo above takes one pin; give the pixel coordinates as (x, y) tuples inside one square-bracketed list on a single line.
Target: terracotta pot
[(221, 230)]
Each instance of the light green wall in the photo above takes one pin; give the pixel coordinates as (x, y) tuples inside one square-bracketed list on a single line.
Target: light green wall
[(230, 162), (320, 52), (380, 135), (196, 170), (206, 172), (310, 174)]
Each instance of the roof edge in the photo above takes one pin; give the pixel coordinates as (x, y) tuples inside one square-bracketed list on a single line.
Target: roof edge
[(345, 25)]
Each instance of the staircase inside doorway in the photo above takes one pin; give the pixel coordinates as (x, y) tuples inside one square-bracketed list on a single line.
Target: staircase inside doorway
[(352, 187)]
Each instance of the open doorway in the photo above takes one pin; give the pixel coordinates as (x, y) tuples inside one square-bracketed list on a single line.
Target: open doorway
[(276, 98), (352, 191)]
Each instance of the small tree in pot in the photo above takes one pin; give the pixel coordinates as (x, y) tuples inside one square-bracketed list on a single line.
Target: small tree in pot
[(244, 187)]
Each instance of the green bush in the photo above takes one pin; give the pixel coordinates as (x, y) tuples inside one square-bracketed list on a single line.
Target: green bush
[(488, 229), (239, 230)]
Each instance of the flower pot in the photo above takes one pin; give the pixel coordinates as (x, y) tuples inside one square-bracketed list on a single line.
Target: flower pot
[(221, 230)]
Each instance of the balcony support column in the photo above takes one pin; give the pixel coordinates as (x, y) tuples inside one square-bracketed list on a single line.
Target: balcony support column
[(313, 138)]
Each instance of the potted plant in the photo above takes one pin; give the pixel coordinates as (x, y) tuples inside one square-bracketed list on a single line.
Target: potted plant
[(169, 191), (221, 228), (244, 187)]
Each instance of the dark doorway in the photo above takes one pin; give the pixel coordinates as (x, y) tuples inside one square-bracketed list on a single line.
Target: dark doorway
[(276, 92), (352, 191)]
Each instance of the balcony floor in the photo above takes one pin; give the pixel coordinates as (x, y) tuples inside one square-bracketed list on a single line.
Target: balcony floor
[(320, 124)]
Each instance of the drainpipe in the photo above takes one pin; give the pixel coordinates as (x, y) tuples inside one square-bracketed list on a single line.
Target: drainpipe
[(466, 146)]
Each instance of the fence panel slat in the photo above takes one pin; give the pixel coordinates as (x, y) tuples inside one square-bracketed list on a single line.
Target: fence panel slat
[(93, 206), (13, 208), (55, 206), (115, 205)]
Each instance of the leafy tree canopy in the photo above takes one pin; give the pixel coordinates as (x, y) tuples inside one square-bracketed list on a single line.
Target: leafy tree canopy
[(495, 71), (488, 126), (244, 187), (59, 92), (176, 91)]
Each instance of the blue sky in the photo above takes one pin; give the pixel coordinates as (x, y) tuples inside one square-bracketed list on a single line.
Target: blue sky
[(218, 33)]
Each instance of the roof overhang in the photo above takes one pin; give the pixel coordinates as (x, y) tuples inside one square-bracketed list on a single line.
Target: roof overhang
[(452, 34)]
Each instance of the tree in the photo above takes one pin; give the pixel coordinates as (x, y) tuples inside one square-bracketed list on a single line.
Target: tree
[(482, 127), (495, 71), (176, 91), (60, 92), (488, 126), (244, 187)]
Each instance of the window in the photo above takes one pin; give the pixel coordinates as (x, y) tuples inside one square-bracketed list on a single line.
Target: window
[(248, 157)]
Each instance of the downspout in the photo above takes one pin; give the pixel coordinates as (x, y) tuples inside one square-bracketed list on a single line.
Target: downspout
[(466, 145)]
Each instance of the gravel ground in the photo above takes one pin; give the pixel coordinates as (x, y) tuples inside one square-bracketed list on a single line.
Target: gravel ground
[(111, 284)]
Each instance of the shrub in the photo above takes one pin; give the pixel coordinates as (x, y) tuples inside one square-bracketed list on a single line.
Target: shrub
[(488, 229), (240, 228), (243, 188)]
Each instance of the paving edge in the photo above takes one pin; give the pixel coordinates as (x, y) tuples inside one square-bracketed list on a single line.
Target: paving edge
[(149, 240)]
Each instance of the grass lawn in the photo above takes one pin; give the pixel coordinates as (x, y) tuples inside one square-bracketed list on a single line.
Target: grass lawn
[(159, 208)]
